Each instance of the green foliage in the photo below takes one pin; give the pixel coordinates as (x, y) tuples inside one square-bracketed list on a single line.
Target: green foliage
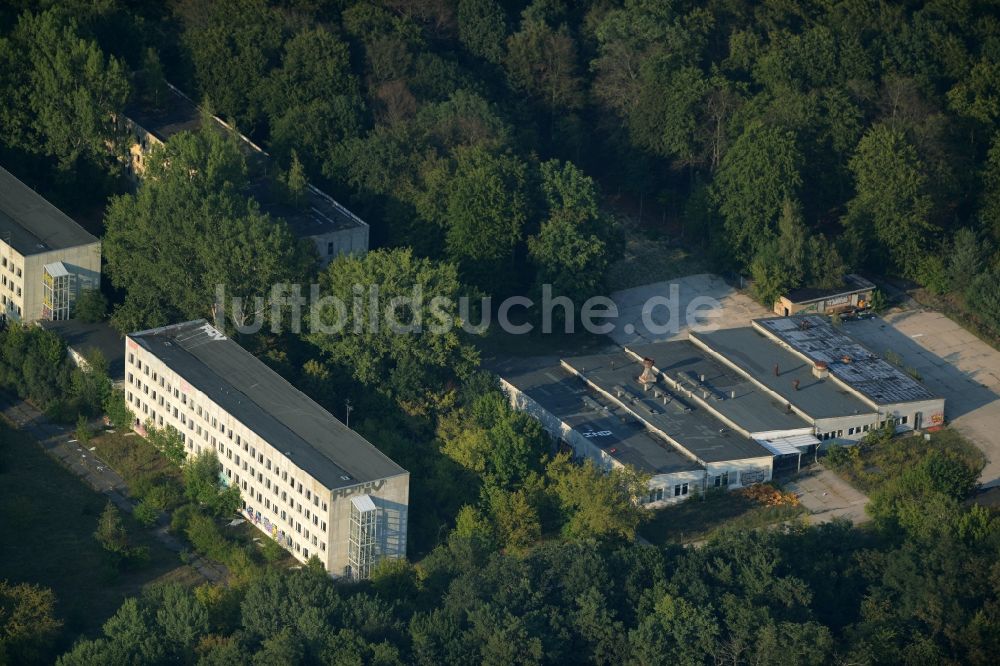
[(28, 622), (146, 514), (571, 250), (598, 503), (111, 533), (168, 441), (64, 94), (878, 302), (482, 28), (83, 432), (33, 363), (91, 306), (891, 184), (203, 484), (189, 229), (758, 174), (485, 209), (412, 360), (117, 410)]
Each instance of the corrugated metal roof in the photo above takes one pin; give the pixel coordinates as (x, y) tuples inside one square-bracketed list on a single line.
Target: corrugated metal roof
[(791, 445)]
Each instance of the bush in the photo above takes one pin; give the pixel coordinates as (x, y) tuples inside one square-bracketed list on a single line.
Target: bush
[(146, 513), (181, 518)]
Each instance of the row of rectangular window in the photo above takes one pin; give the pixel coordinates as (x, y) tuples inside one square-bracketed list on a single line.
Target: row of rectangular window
[(222, 428)]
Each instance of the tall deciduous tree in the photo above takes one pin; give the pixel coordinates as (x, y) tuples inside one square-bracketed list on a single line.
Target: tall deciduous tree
[(596, 502), (412, 359), (485, 212), (482, 27), (62, 96), (190, 229), (571, 250)]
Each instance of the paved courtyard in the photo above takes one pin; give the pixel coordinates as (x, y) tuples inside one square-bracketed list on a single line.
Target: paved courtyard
[(673, 299), (952, 363), (826, 496)]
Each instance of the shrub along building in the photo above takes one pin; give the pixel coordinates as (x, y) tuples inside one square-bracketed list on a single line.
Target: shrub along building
[(724, 409), (316, 216), (309, 482), (46, 258)]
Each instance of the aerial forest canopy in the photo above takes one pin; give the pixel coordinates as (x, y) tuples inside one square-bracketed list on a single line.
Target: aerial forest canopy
[(792, 142), (495, 146)]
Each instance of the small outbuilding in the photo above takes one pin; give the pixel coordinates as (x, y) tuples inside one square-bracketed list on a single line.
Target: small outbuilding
[(855, 294)]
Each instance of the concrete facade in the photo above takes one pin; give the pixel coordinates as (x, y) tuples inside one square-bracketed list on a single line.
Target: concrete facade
[(305, 515), (35, 234)]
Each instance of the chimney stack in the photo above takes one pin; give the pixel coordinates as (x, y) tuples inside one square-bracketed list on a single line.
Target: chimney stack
[(820, 370)]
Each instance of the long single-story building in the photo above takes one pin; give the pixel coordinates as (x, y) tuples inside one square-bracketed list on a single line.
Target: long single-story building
[(616, 411)]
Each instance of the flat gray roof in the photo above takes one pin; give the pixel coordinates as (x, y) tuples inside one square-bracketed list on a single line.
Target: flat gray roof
[(268, 405), (732, 395), (852, 285), (83, 337), (569, 399), (755, 354), (318, 215), (32, 225), (848, 360), (693, 427)]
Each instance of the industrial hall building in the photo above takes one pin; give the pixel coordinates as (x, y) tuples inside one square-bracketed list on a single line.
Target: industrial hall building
[(46, 258), (725, 409), (309, 482)]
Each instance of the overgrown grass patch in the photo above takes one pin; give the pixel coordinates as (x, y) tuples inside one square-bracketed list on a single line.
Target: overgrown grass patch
[(699, 516), (869, 467), (49, 517)]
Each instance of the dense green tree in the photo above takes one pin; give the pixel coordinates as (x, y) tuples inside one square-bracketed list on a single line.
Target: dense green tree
[(28, 623), (189, 231), (486, 208), (410, 343), (892, 196), (757, 175), (203, 484), (64, 98), (233, 44), (571, 250), (597, 503), (482, 27), (117, 410), (91, 306), (541, 61)]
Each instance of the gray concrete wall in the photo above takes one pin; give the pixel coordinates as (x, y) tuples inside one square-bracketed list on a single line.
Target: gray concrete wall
[(345, 241), (84, 264)]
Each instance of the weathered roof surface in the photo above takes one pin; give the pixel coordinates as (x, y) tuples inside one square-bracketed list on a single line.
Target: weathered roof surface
[(758, 356), (692, 427), (83, 337), (788, 446), (264, 402), (852, 285), (605, 425), (729, 393), (851, 362), (32, 225)]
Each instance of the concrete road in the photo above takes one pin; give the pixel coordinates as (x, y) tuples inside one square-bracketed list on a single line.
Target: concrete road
[(60, 443), (673, 302), (826, 496), (952, 363)]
